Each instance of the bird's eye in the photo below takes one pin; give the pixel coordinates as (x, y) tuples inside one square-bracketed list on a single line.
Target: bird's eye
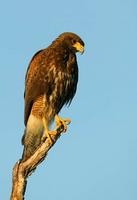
[(73, 41)]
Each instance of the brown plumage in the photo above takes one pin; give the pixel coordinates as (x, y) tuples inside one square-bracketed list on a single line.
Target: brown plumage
[(51, 82)]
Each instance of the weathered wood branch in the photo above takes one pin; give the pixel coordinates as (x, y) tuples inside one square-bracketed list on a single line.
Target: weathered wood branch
[(22, 170)]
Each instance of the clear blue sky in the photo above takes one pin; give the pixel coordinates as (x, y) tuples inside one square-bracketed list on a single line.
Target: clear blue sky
[(97, 158)]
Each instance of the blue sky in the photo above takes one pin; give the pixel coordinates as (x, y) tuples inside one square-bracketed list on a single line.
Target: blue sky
[(97, 158)]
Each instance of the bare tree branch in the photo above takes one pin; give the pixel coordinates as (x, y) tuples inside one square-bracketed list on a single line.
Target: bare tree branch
[(22, 170)]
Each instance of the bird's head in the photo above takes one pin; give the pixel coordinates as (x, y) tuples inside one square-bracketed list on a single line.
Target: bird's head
[(72, 41)]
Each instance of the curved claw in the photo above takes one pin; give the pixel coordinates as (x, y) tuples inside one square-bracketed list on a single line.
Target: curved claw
[(62, 122), (47, 134), (67, 121)]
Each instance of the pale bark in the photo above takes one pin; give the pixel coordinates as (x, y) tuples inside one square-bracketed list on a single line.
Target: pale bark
[(22, 170)]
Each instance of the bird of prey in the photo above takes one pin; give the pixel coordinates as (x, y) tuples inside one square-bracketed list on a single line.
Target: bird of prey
[(50, 83)]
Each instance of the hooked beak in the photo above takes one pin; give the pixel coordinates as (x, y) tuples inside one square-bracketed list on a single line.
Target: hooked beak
[(79, 47)]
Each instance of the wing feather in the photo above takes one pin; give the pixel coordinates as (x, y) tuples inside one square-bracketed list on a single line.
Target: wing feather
[(33, 82)]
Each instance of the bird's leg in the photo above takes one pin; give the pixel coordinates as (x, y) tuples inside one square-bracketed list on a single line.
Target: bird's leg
[(47, 133), (62, 122)]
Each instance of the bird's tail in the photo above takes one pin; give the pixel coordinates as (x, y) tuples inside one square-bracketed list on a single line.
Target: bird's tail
[(31, 142), (31, 139)]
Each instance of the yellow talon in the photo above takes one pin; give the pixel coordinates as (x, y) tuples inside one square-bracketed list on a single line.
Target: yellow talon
[(62, 122), (47, 133)]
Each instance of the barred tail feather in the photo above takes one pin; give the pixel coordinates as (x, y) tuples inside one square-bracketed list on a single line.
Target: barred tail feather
[(32, 137)]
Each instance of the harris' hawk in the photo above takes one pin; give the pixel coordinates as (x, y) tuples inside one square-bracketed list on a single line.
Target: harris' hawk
[(50, 82)]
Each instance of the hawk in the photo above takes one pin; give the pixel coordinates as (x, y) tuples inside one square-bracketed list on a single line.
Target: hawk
[(50, 83)]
